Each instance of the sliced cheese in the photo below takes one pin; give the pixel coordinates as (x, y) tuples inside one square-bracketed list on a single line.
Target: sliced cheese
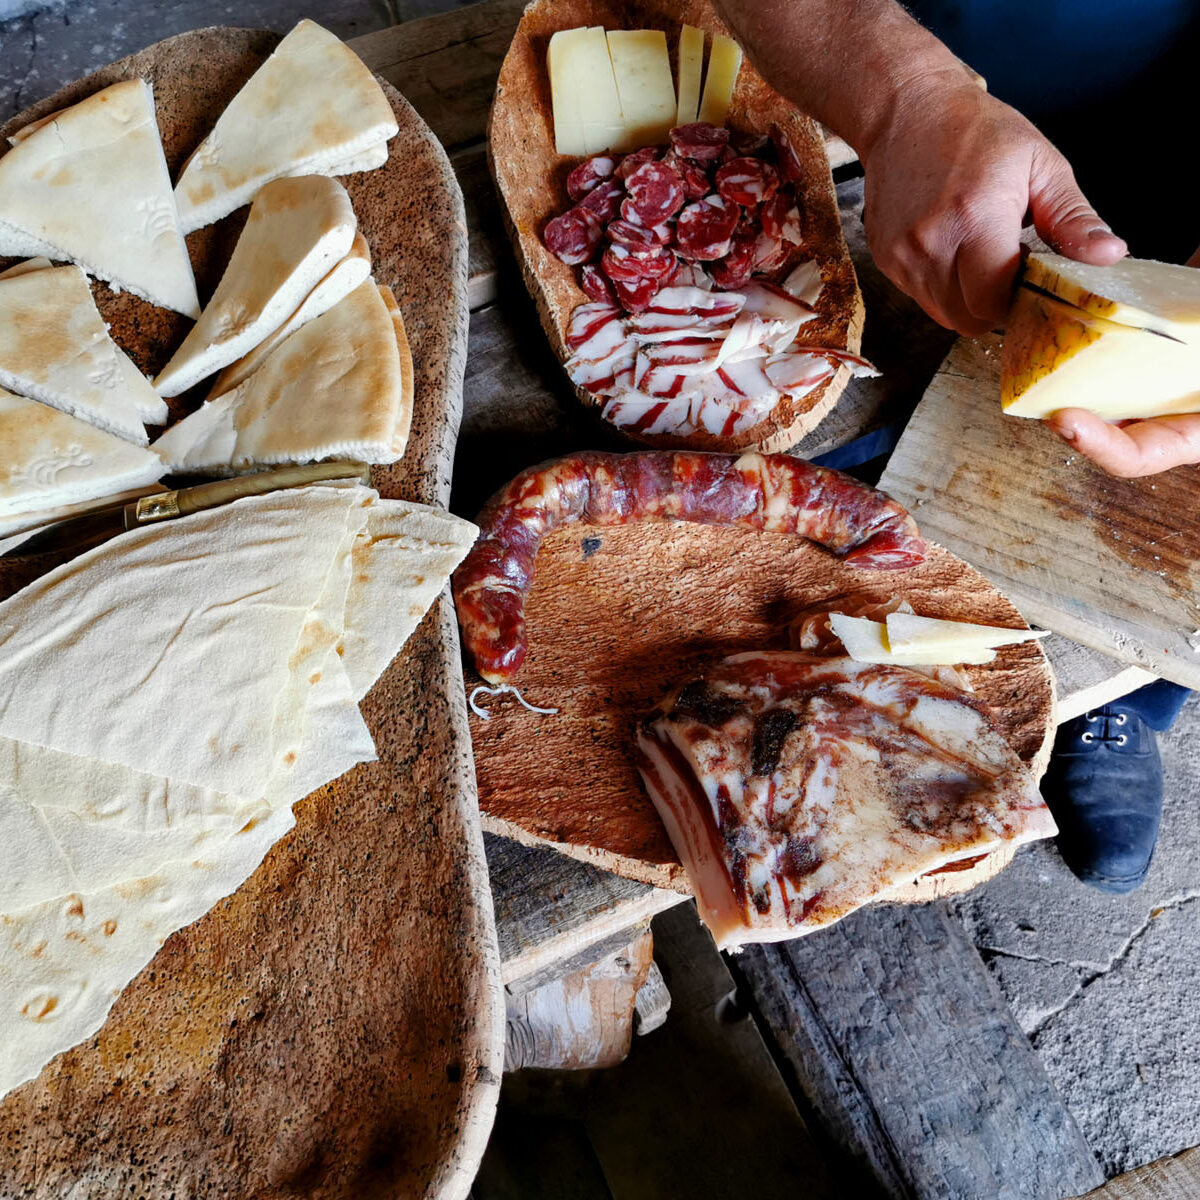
[(51, 459), (313, 108), (331, 390), (645, 90), (1058, 356), (908, 633), (54, 347), (724, 63), (91, 186), (299, 228), (867, 641), (1138, 292), (339, 283), (691, 67), (587, 109)]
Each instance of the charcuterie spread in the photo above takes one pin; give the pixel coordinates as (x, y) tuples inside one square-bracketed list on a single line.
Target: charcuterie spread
[(678, 228)]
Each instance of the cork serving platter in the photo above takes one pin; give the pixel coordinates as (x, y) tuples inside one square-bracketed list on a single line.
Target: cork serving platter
[(334, 1028), (619, 616)]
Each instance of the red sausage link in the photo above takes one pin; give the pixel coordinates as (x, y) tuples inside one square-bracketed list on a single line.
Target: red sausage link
[(773, 492)]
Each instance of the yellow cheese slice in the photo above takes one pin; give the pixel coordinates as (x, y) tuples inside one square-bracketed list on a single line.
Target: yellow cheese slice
[(1139, 292), (908, 633), (642, 68), (691, 66), (724, 63), (1057, 356), (583, 90), (867, 641)]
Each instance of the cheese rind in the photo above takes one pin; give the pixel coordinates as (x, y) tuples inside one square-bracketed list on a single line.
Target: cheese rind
[(691, 67), (583, 87), (642, 68), (724, 63)]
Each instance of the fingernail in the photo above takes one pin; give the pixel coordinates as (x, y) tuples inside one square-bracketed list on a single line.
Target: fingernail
[(1100, 231), (1067, 435)]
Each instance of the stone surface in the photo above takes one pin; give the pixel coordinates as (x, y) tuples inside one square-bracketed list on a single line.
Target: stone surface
[(1106, 986)]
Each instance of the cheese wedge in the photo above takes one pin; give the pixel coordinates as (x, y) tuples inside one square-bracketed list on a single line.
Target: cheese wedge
[(867, 641), (691, 67), (587, 109), (645, 90), (51, 459), (54, 347), (339, 283), (1137, 292), (908, 633), (298, 229), (404, 413), (1058, 356), (91, 186), (311, 109), (330, 390), (724, 63)]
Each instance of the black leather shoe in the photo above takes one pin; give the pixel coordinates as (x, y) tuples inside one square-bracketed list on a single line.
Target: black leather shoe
[(1104, 786)]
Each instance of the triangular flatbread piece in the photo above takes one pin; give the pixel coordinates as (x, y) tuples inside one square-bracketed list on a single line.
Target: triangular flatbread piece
[(51, 459), (331, 390), (91, 186), (311, 108), (54, 347), (297, 231), (403, 424), (337, 285), (23, 268)]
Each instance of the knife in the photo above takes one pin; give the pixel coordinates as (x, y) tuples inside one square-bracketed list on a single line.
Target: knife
[(107, 520)]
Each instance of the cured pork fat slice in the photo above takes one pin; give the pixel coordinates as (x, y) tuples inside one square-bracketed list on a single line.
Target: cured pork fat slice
[(797, 788)]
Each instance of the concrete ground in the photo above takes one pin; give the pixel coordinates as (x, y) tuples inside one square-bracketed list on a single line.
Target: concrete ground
[(1108, 987)]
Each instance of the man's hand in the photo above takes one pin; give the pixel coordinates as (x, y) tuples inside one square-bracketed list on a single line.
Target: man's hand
[(951, 173)]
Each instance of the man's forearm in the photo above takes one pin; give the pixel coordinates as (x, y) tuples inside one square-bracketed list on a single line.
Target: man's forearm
[(845, 62)]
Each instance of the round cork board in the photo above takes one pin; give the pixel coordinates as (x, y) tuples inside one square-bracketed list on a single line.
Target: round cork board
[(619, 616), (335, 1028), (531, 177)]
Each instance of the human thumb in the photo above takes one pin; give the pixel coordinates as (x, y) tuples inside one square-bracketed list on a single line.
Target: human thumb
[(1064, 219)]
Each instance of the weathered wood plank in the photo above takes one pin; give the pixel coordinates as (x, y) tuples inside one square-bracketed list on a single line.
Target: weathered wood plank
[(489, 263), (1176, 1178), (1086, 678), (894, 1031)]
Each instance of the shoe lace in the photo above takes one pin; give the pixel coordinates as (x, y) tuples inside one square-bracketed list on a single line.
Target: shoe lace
[(1106, 733)]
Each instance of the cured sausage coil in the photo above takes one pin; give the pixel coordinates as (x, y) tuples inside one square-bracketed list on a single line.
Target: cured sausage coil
[(772, 492)]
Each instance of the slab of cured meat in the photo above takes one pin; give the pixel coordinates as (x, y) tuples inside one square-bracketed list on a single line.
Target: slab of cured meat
[(618, 617), (533, 183)]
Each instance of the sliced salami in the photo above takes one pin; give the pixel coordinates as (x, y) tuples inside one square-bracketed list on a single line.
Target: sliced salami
[(655, 193), (590, 174), (735, 269), (699, 140), (705, 228), (604, 199), (629, 233), (785, 153), (597, 286), (636, 295), (780, 218), (574, 237), (625, 265), (752, 145), (638, 158), (747, 181), (696, 183)]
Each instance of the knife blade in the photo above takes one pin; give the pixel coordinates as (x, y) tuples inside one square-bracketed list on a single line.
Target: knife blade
[(108, 520)]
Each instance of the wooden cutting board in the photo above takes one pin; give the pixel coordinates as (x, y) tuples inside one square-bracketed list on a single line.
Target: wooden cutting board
[(335, 1027), (1111, 563), (619, 616)]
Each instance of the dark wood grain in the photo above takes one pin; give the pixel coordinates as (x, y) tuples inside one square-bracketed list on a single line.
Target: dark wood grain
[(892, 1028)]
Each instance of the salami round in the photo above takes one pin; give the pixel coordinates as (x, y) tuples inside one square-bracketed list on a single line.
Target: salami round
[(635, 296), (747, 181), (735, 269), (597, 286), (750, 145), (589, 174), (638, 158), (638, 237), (700, 140), (705, 228), (696, 183), (655, 193), (625, 265), (604, 199), (785, 152), (780, 218), (574, 237)]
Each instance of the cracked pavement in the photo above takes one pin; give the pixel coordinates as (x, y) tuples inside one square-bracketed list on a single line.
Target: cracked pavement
[(1108, 987)]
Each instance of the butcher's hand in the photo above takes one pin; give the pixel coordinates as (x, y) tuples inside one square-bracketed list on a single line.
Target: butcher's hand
[(951, 173), (1132, 448)]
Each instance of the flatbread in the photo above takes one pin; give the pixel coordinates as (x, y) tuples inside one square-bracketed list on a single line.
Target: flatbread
[(311, 108), (342, 279), (51, 459), (91, 186), (332, 389), (54, 347), (403, 424), (64, 962), (297, 231)]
